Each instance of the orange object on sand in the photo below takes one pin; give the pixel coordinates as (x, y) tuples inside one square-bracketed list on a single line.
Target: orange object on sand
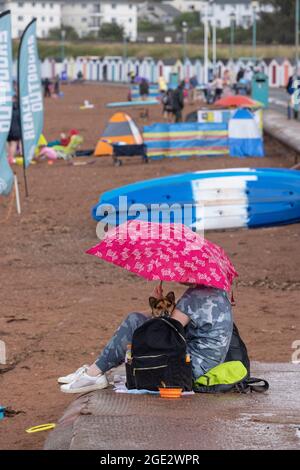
[(120, 129), (170, 392)]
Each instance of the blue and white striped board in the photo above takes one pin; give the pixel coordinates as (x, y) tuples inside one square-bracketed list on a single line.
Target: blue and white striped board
[(131, 104), (221, 199)]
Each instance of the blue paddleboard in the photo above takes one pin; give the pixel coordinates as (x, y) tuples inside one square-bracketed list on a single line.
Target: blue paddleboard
[(219, 199), (131, 104)]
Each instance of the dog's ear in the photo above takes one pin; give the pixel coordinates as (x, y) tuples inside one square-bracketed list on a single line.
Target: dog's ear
[(152, 302), (171, 297)]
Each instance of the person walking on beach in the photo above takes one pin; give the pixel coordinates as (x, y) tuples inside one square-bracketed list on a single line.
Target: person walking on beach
[(57, 85), (47, 90), (293, 90), (178, 102), (193, 82), (217, 86), (167, 101), (206, 314), (15, 134), (144, 89)]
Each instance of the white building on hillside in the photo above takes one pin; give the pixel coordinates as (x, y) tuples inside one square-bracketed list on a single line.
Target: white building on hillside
[(86, 16), (47, 13), (243, 10), (222, 10)]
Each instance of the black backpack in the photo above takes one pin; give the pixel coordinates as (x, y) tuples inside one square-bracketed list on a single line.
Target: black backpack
[(159, 357)]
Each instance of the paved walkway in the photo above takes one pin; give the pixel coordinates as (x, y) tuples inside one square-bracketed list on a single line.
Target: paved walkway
[(106, 420), (286, 131)]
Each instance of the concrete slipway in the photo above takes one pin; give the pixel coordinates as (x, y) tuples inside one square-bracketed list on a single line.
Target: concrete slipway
[(106, 420)]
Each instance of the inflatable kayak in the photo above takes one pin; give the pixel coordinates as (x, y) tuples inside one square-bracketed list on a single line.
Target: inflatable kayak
[(210, 200)]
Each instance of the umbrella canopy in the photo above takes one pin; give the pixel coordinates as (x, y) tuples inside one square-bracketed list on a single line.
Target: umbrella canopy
[(238, 101), (166, 252), (139, 79)]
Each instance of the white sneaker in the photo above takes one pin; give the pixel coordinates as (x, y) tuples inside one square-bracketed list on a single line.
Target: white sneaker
[(69, 378), (85, 383)]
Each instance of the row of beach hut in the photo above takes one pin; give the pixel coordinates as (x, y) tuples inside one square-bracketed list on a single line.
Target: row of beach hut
[(116, 69)]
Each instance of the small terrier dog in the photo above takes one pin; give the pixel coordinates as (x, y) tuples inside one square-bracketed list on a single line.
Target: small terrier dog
[(162, 307)]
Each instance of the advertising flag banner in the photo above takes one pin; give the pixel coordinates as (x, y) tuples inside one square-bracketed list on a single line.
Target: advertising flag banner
[(6, 95)]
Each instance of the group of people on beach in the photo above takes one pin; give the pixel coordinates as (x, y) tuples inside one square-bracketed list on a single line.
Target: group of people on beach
[(173, 103), (50, 88)]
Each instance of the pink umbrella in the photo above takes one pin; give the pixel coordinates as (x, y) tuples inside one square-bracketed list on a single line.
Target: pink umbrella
[(166, 252)]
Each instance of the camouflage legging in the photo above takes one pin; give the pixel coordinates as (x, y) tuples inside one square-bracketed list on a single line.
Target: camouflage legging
[(114, 352)]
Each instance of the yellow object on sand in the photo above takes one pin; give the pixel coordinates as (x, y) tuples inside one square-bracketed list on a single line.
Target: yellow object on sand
[(41, 143), (41, 427), (19, 161)]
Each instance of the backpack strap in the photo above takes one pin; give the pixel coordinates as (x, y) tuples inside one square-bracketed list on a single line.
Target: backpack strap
[(257, 385)]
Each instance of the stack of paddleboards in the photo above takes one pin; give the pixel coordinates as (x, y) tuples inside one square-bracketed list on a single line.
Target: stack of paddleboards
[(210, 200)]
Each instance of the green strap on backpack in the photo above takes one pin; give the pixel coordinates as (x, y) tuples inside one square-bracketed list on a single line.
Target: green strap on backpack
[(229, 377)]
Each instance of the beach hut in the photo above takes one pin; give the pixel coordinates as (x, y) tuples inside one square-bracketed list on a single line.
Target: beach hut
[(179, 68), (274, 73), (263, 66), (145, 68), (104, 69), (187, 69), (286, 71), (136, 66), (153, 71), (119, 69), (170, 68), (198, 70), (161, 69)]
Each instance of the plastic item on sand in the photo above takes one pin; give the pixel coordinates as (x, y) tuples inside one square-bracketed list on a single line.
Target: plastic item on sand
[(41, 427), (87, 105), (170, 392), (2, 411)]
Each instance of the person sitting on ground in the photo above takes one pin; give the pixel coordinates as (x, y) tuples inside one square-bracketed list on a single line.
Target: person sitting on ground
[(206, 314)]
